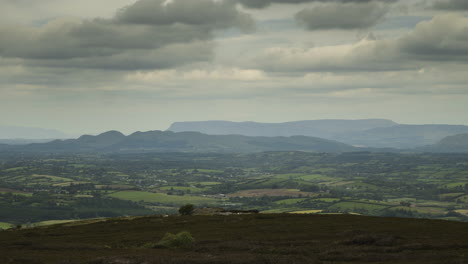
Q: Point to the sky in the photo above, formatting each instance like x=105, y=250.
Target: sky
x=84, y=67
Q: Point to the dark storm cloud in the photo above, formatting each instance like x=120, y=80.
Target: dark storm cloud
x=148, y=34
x=342, y=16
x=451, y=5
x=265, y=3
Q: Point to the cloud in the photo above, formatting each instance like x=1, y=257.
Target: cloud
x=342, y=16
x=442, y=39
x=221, y=74
x=217, y=14
x=265, y=3
x=451, y=5
x=147, y=34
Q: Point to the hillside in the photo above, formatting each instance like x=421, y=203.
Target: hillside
x=457, y=143
x=403, y=136
x=374, y=133
x=241, y=239
x=159, y=141
x=314, y=128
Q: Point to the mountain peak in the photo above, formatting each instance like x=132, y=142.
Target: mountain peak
x=112, y=133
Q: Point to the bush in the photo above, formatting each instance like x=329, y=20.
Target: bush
x=181, y=240
x=186, y=209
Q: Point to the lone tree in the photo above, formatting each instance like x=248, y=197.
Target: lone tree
x=186, y=209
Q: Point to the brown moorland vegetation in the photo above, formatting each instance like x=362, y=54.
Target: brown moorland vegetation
x=241, y=239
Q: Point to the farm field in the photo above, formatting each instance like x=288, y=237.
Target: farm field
x=162, y=198
x=5, y=225
x=271, y=192
x=72, y=187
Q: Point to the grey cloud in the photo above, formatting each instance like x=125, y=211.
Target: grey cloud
x=443, y=39
x=451, y=5
x=221, y=14
x=170, y=56
x=342, y=16
x=265, y=3
x=129, y=40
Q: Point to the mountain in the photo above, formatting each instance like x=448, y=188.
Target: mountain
x=13, y=132
x=402, y=136
x=457, y=143
x=328, y=128
x=375, y=133
x=167, y=141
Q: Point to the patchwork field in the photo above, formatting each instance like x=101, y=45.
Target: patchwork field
x=290, y=201
x=357, y=206
x=46, y=187
x=271, y=192
x=162, y=198
x=16, y=192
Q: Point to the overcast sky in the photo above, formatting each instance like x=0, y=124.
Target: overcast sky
x=90, y=66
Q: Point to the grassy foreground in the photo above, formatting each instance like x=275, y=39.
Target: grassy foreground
x=239, y=239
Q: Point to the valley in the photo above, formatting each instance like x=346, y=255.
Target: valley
x=44, y=187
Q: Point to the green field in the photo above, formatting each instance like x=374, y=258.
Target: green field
x=53, y=222
x=205, y=170
x=5, y=225
x=290, y=201
x=16, y=193
x=51, y=178
x=327, y=200
x=353, y=206
x=422, y=210
x=306, y=212
x=206, y=183
x=182, y=188
x=162, y=198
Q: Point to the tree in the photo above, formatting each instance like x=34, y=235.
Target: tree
x=186, y=209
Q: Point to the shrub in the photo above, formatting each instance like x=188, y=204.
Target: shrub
x=186, y=209
x=181, y=240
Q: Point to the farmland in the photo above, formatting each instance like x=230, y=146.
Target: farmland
x=163, y=198
x=46, y=187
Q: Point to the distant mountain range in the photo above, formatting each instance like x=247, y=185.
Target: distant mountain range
x=314, y=128
x=167, y=141
x=28, y=133
x=315, y=136
x=376, y=133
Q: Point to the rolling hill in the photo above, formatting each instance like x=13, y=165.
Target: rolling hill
x=373, y=133
x=457, y=143
x=402, y=136
x=167, y=141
